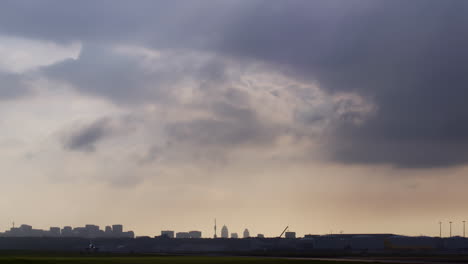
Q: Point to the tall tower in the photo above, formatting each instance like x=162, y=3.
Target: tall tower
x=246, y=233
x=224, y=232
x=215, y=236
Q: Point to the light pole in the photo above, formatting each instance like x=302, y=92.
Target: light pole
x=464, y=228
x=450, y=228
x=440, y=229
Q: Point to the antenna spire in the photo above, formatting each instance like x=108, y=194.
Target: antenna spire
x=215, y=236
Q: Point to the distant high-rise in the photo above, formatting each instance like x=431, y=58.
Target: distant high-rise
x=224, y=232
x=108, y=230
x=260, y=236
x=234, y=235
x=117, y=229
x=246, y=233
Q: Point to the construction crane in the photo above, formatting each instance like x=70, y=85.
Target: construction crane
x=283, y=232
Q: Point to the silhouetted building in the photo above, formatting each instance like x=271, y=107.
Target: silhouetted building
x=234, y=235
x=79, y=232
x=108, y=230
x=54, y=231
x=129, y=234
x=89, y=231
x=26, y=229
x=182, y=235
x=224, y=232
x=260, y=236
x=246, y=233
x=92, y=231
x=167, y=234
x=290, y=235
x=117, y=229
x=195, y=234
x=414, y=243
x=92, y=228
x=67, y=231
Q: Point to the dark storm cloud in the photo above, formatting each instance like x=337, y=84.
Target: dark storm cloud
x=162, y=23
x=84, y=138
x=409, y=58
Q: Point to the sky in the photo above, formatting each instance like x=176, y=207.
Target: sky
x=326, y=116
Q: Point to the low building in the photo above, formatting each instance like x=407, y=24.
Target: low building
x=128, y=234
x=67, y=231
x=414, y=243
x=182, y=235
x=234, y=235
x=331, y=242
x=290, y=235
x=366, y=242
x=195, y=234
x=167, y=234
x=54, y=231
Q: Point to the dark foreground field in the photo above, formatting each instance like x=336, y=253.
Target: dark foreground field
x=50, y=259
x=59, y=258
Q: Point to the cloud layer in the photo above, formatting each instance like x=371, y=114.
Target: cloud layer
x=405, y=62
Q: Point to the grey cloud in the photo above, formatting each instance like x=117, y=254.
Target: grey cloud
x=100, y=71
x=132, y=79
x=231, y=126
x=12, y=86
x=86, y=137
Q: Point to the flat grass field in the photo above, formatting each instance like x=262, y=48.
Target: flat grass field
x=30, y=259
